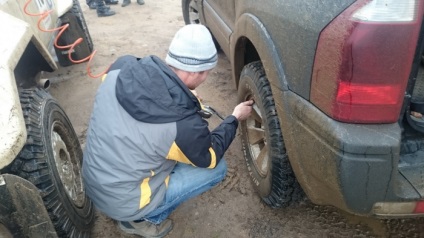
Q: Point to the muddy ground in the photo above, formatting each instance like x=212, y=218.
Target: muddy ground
x=232, y=209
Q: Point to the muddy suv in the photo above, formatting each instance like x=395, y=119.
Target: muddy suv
x=339, y=92
x=41, y=190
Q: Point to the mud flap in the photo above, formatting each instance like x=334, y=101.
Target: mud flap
x=22, y=210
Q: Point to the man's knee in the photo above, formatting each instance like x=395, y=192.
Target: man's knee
x=221, y=168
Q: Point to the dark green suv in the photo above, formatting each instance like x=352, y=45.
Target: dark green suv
x=339, y=92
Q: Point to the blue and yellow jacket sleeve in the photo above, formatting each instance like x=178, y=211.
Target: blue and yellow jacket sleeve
x=196, y=145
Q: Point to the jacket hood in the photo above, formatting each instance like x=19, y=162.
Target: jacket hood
x=151, y=92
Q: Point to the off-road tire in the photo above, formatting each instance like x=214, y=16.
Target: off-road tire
x=77, y=29
x=77, y=11
x=275, y=182
x=52, y=160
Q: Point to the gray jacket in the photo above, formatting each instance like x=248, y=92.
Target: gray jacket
x=143, y=122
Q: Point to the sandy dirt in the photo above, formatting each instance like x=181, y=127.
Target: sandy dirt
x=232, y=209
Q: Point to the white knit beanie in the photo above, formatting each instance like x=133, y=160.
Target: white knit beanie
x=192, y=49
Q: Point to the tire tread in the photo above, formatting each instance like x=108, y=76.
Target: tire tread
x=31, y=164
x=285, y=190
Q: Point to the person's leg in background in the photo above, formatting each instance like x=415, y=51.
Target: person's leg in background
x=111, y=2
x=125, y=3
x=102, y=9
x=128, y=2
x=93, y=5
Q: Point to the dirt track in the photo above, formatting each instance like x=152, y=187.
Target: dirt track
x=232, y=209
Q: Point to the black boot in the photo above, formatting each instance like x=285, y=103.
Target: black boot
x=93, y=5
x=126, y=3
x=104, y=11
x=111, y=2
x=141, y=2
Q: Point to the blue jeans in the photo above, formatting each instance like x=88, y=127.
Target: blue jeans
x=186, y=181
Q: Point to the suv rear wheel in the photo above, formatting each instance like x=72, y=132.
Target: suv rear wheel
x=52, y=160
x=190, y=12
x=263, y=144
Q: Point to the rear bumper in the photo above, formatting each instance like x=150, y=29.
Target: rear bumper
x=350, y=166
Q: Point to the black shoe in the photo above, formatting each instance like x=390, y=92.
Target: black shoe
x=111, y=2
x=93, y=5
x=141, y=2
x=105, y=12
x=125, y=3
x=146, y=229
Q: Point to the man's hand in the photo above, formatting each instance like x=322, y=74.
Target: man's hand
x=243, y=110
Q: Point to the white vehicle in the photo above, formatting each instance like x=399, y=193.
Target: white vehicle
x=41, y=189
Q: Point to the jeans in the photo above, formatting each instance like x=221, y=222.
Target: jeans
x=186, y=181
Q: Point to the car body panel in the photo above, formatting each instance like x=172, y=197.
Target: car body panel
x=13, y=132
x=350, y=166
x=297, y=29
x=18, y=30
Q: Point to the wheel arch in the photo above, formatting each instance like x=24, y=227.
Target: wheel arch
x=19, y=47
x=26, y=71
x=251, y=42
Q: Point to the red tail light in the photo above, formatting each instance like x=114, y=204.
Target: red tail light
x=419, y=208
x=363, y=60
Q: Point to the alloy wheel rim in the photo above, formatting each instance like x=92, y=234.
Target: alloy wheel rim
x=68, y=169
x=193, y=13
x=257, y=142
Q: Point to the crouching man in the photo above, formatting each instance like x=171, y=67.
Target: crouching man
x=148, y=148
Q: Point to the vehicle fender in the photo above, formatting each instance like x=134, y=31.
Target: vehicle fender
x=250, y=27
x=17, y=33
x=12, y=45
x=13, y=12
x=22, y=210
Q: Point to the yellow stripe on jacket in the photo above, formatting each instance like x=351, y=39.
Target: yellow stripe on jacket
x=176, y=154
x=213, y=158
x=146, y=191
